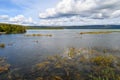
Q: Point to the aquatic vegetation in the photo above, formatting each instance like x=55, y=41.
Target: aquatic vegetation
x=104, y=68
x=10, y=44
x=71, y=52
x=82, y=65
x=103, y=60
x=99, y=32
x=4, y=69
x=57, y=68
x=2, y=45
x=28, y=35
x=74, y=64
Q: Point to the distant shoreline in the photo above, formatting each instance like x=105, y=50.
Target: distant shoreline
x=77, y=27
x=43, y=29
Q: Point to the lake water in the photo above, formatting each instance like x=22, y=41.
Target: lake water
x=21, y=50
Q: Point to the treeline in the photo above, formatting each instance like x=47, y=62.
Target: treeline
x=44, y=27
x=11, y=28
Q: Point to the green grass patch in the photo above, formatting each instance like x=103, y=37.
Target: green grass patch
x=2, y=45
x=98, y=32
x=28, y=35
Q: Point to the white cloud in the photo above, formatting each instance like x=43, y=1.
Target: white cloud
x=66, y=12
x=49, y=13
x=20, y=19
x=74, y=20
x=84, y=8
x=78, y=12
x=4, y=17
x=116, y=14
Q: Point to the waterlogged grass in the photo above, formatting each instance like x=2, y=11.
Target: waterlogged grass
x=99, y=32
x=2, y=45
x=28, y=35
x=78, y=64
x=104, y=68
x=4, y=67
x=74, y=64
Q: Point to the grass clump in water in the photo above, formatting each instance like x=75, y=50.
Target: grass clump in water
x=75, y=64
x=104, y=68
x=99, y=32
x=83, y=64
x=38, y=35
x=4, y=69
x=2, y=45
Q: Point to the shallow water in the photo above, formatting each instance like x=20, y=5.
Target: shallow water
x=22, y=51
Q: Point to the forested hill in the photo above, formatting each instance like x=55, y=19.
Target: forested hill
x=77, y=27
x=45, y=27
x=94, y=27
x=11, y=28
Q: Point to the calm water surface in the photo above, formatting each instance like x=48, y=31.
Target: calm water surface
x=21, y=50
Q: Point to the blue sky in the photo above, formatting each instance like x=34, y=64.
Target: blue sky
x=60, y=12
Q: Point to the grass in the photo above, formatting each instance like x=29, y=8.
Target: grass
x=75, y=64
x=78, y=64
x=50, y=35
x=99, y=32
x=3, y=65
x=2, y=45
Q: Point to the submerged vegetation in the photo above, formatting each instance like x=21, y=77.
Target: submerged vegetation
x=4, y=69
x=80, y=64
x=38, y=35
x=11, y=29
x=3, y=66
x=2, y=45
x=74, y=64
x=99, y=32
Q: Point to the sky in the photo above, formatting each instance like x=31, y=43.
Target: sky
x=60, y=12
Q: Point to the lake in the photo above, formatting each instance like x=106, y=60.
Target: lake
x=22, y=51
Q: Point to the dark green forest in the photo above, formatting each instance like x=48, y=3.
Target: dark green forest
x=44, y=27
x=11, y=28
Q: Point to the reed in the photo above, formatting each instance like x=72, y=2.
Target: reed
x=2, y=45
x=50, y=35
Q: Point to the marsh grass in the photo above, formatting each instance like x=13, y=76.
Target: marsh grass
x=74, y=64
x=80, y=64
x=3, y=65
x=28, y=35
x=99, y=32
x=4, y=69
x=2, y=45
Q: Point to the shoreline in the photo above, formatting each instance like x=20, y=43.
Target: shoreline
x=2, y=33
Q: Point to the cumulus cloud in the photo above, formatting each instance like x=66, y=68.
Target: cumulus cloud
x=21, y=19
x=74, y=20
x=94, y=9
x=18, y=19
x=116, y=13
x=4, y=17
